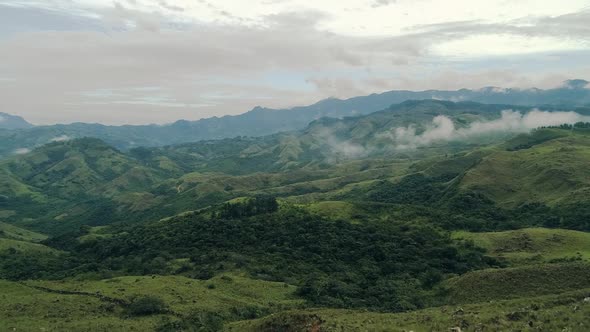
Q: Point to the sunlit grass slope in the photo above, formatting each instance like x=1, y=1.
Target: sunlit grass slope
x=565, y=312
x=100, y=305
x=532, y=245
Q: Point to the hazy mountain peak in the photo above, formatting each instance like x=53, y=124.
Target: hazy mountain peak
x=8, y=121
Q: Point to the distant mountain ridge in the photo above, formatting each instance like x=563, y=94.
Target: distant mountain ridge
x=85, y=181
x=264, y=121
x=8, y=121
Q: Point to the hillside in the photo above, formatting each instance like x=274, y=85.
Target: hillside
x=67, y=182
x=343, y=224
x=550, y=172
x=568, y=311
x=532, y=245
x=88, y=182
x=330, y=141
x=109, y=304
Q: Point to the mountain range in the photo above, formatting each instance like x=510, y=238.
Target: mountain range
x=86, y=179
x=264, y=121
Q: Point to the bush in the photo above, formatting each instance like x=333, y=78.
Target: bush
x=198, y=322
x=146, y=305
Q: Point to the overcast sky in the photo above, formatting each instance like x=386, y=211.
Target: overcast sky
x=156, y=61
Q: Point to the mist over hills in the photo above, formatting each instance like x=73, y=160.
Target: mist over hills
x=264, y=121
x=86, y=179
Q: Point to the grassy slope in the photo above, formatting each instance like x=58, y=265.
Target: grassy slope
x=532, y=245
x=22, y=240
x=26, y=309
x=24, y=246
x=564, y=312
x=524, y=281
x=184, y=295
x=30, y=309
x=553, y=172
x=17, y=233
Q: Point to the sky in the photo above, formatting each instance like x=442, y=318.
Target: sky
x=157, y=61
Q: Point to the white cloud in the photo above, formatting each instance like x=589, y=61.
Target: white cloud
x=61, y=138
x=442, y=128
x=211, y=58
x=22, y=151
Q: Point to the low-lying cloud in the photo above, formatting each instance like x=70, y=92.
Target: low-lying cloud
x=343, y=148
x=22, y=151
x=443, y=129
x=61, y=138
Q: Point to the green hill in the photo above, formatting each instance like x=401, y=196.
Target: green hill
x=106, y=304
x=564, y=312
x=292, y=231
x=16, y=233
x=518, y=282
x=532, y=245
x=549, y=170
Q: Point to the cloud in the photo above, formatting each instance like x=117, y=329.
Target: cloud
x=19, y=19
x=340, y=147
x=168, y=6
x=22, y=151
x=216, y=67
x=380, y=3
x=442, y=128
x=61, y=138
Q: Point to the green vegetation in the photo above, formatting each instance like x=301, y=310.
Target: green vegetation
x=8, y=231
x=532, y=245
x=108, y=304
x=285, y=232
x=564, y=312
x=525, y=281
x=386, y=266
x=146, y=305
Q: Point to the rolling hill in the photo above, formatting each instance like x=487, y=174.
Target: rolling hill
x=86, y=181
x=340, y=225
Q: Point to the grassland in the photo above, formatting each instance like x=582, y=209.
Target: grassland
x=16, y=233
x=564, y=312
x=25, y=247
x=518, y=282
x=532, y=245
x=23, y=308
x=553, y=172
x=22, y=240
x=101, y=305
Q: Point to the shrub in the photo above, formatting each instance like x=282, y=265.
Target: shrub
x=198, y=322
x=146, y=305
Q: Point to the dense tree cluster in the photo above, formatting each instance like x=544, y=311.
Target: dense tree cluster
x=419, y=196
x=249, y=207
x=387, y=266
